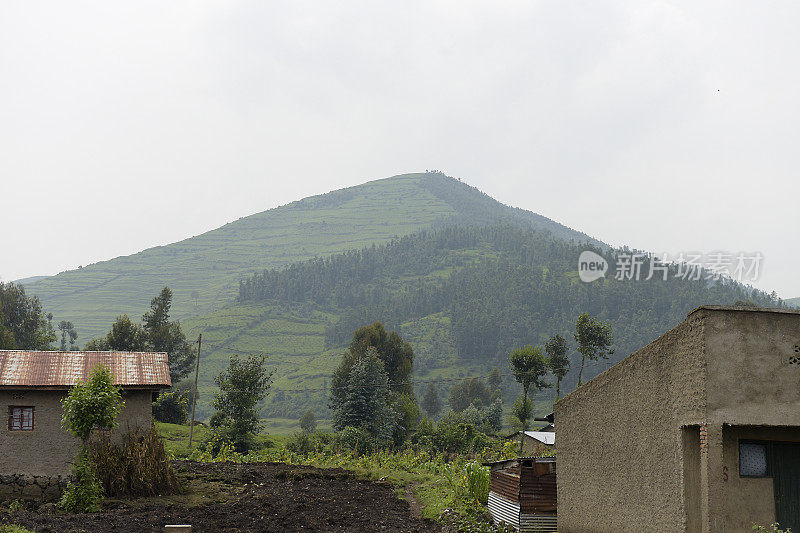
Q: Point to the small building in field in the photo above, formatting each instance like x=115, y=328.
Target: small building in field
x=36, y=453
x=535, y=443
x=706, y=432
x=522, y=493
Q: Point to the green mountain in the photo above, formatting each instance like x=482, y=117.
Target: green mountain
x=462, y=296
x=204, y=271
x=793, y=302
x=461, y=276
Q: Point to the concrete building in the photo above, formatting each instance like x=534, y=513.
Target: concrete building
x=706, y=430
x=35, y=451
x=536, y=443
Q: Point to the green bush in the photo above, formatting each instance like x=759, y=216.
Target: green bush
x=772, y=528
x=357, y=440
x=14, y=529
x=84, y=492
x=172, y=407
x=476, y=481
x=305, y=443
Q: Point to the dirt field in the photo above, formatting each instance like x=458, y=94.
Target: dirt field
x=252, y=497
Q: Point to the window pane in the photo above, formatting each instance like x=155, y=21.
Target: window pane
x=16, y=420
x=20, y=419
x=752, y=460
x=27, y=418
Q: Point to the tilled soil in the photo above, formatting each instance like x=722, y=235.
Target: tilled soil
x=247, y=497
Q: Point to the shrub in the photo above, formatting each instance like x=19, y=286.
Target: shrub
x=83, y=493
x=357, y=440
x=93, y=403
x=217, y=448
x=172, y=407
x=305, y=443
x=408, y=415
x=476, y=481
x=308, y=422
x=14, y=529
x=139, y=466
x=772, y=528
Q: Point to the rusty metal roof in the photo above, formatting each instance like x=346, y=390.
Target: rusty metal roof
x=63, y=369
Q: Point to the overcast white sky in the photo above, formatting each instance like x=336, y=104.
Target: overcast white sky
x=666, y=126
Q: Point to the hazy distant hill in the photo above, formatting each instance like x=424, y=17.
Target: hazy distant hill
x=794, y=301
x=213, y=263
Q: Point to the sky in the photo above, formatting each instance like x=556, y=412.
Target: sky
x=664, y=126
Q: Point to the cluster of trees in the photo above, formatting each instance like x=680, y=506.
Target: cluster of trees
x=157, y=333
x=371, y=388
x=531, y=367
x=501, y=286
x=372, y=395
x=23, y=323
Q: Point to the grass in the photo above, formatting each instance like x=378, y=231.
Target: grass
x=176, y=438
x=14, y=529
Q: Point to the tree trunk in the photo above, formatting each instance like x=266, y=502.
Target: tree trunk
x=580, y=374
x=524, y=421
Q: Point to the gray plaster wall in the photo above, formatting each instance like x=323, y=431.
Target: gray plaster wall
x=620, y=441
x=49, y=450
x=753, y=393
x=627, y=439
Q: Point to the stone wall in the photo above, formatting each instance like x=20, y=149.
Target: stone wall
x=22, y=486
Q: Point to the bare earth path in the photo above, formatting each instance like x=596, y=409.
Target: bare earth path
x=261, y=497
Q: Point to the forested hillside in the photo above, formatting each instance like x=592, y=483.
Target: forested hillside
x=793, y=301
x=204, y=271
x=463, y=297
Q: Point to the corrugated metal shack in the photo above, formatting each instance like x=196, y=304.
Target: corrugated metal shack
x=522, y=493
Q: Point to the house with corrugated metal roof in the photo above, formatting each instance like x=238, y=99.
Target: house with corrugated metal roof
x=537, y=442
x=35, y=451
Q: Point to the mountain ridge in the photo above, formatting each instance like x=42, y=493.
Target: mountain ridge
x=204, y=270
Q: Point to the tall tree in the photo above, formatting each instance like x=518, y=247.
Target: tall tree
x=396, y=354
x=166, y=336
x=471, y=391
x=529, y=367
x=67, y=332
x=308, y=422
x=594, y=339
x=6, y=337
x=362, y=401
x=125, y=336
x=23, y=324
x=431, y=402
x=243, y=385
x=556, y=348
x=494, y=380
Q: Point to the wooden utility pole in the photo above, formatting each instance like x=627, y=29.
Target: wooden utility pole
x=194, y=396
